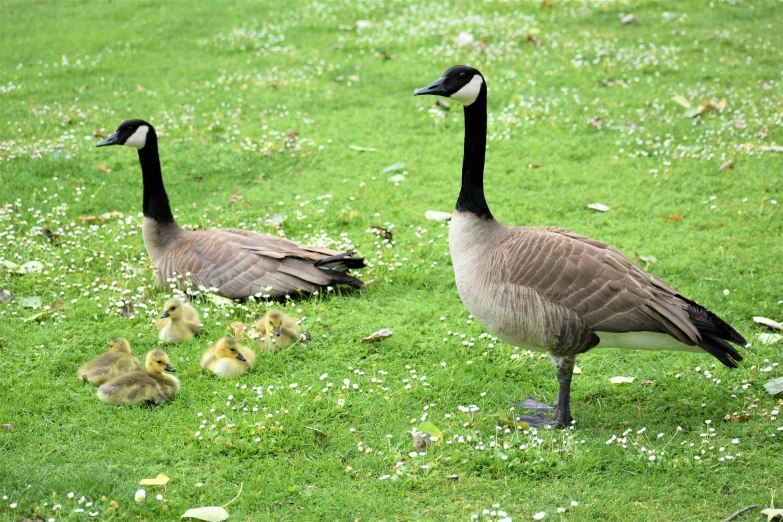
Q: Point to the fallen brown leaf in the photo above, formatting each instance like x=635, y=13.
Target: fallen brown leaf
x=378, y=336
x=103, y=167
x=673, y=217
x=383, y=232
x=727, y=165
x=9, y=426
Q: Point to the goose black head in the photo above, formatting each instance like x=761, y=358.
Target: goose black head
x=460, y=82
x=132, y=133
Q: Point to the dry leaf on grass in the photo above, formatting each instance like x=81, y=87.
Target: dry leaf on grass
x=362, y=149
x=9, y=426
x=102, y=217
x=647, y=259
x=437, y=215
x=727, y=165
x=209, y=513
x=768, y=322
x=621, y=380
x=378, y=336
x=673, y=217
x=385, y=233
x=628, y=19
x=772, y=513
x=421, y=440
x=103, y=167
x=238, y=329
x=5, y=295
x=392, y=168
x=770, y=338
x=739, y=417
x=600, y=207
x=160, y=480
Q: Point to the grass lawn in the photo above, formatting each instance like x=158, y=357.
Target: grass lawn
x=261, y=109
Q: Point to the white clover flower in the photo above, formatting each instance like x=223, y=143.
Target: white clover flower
x=539, y=515
x=140, y=495
x=159, y=496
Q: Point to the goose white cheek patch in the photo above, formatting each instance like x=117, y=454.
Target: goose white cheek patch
x=468, y=94
x=139, y=138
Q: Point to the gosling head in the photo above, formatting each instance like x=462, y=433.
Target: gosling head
x=157, y=362
x=133, y=133
x=228, y=348
x=119, y=345
x=172, y=308
x=274, y=321
x=460, y=82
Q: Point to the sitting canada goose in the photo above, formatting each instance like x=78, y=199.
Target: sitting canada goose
x=276, y=329
x=108, y=365
x=178, y=323
x=228, y=358
x=239, y=263
x=152, y=386
x=548, y=289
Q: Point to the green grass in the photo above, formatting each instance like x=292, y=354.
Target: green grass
x=317, y=452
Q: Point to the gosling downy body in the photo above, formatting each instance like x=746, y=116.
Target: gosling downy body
x=152, y=386
x=549, y=289
x=228, y=358
x=239, y=263
x=178, y=323
x=108, y=365
x=276, y=329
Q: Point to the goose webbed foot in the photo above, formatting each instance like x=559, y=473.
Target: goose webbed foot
x=562, y=408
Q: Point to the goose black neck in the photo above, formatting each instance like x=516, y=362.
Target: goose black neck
x=471, y=196
x=156, y=202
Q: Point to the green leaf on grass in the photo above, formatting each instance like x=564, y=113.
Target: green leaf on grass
x=9, y=264
x=31, y=302
x=431, y=430
x=209, y=513
x=361, y=149
x=30, y=267
x=774, y=386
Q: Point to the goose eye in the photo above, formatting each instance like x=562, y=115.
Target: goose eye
x=462, y=75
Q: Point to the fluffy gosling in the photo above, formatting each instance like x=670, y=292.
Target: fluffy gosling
x=108, y=365
x=152, y=386
x=276, y=329
x=178, y=323
x=228, y=358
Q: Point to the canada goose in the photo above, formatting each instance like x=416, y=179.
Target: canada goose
x=108, y=365
x=178, y=323
x=239, y=263
x=228, y=358
x=549, y=289
x=152, y=386
x=276, y=329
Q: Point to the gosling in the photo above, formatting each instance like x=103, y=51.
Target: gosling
x=228, y=358
x=178, y=323
x=276, y=329
x=108, y=365
x=151, y=387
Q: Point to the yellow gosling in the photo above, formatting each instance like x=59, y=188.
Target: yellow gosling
x=108, y=365
x=228, y=358
x=152, y=386
x=178, y=323
x=276, y=329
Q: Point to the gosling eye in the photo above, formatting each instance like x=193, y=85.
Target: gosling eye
x=160, y=362
x=173, y=308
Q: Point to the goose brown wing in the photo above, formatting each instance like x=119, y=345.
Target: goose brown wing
x=240, y=263
x=597, y=282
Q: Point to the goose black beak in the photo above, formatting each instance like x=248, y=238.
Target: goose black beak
x=241, y=357
x=435, y=87
x=170, y=368
x=114, y=139
x=276, y=331
x=164, y=314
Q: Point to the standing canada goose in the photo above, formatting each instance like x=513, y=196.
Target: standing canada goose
x=108, y=365
x=152, y=386
x=239, y=263
x=549, y=289
x=228, y=358
x=276, y=329
x=178, y=323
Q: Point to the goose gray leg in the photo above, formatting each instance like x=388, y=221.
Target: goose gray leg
x=562, y=407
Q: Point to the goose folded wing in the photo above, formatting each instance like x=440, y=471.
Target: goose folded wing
x=597, y=282
x=240, y=265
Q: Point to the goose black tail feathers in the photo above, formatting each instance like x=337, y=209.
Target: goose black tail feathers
x=336, y=266
x=715, y=334
x=340, y=262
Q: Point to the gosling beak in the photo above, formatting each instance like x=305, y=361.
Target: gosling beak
x=435, y=87
x=164, y=314
x=276, y=330
x=170, y=368
x=241, y=357
x=114, y=139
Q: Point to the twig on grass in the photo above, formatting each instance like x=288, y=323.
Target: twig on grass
x=739, y=512
x=240, y=492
